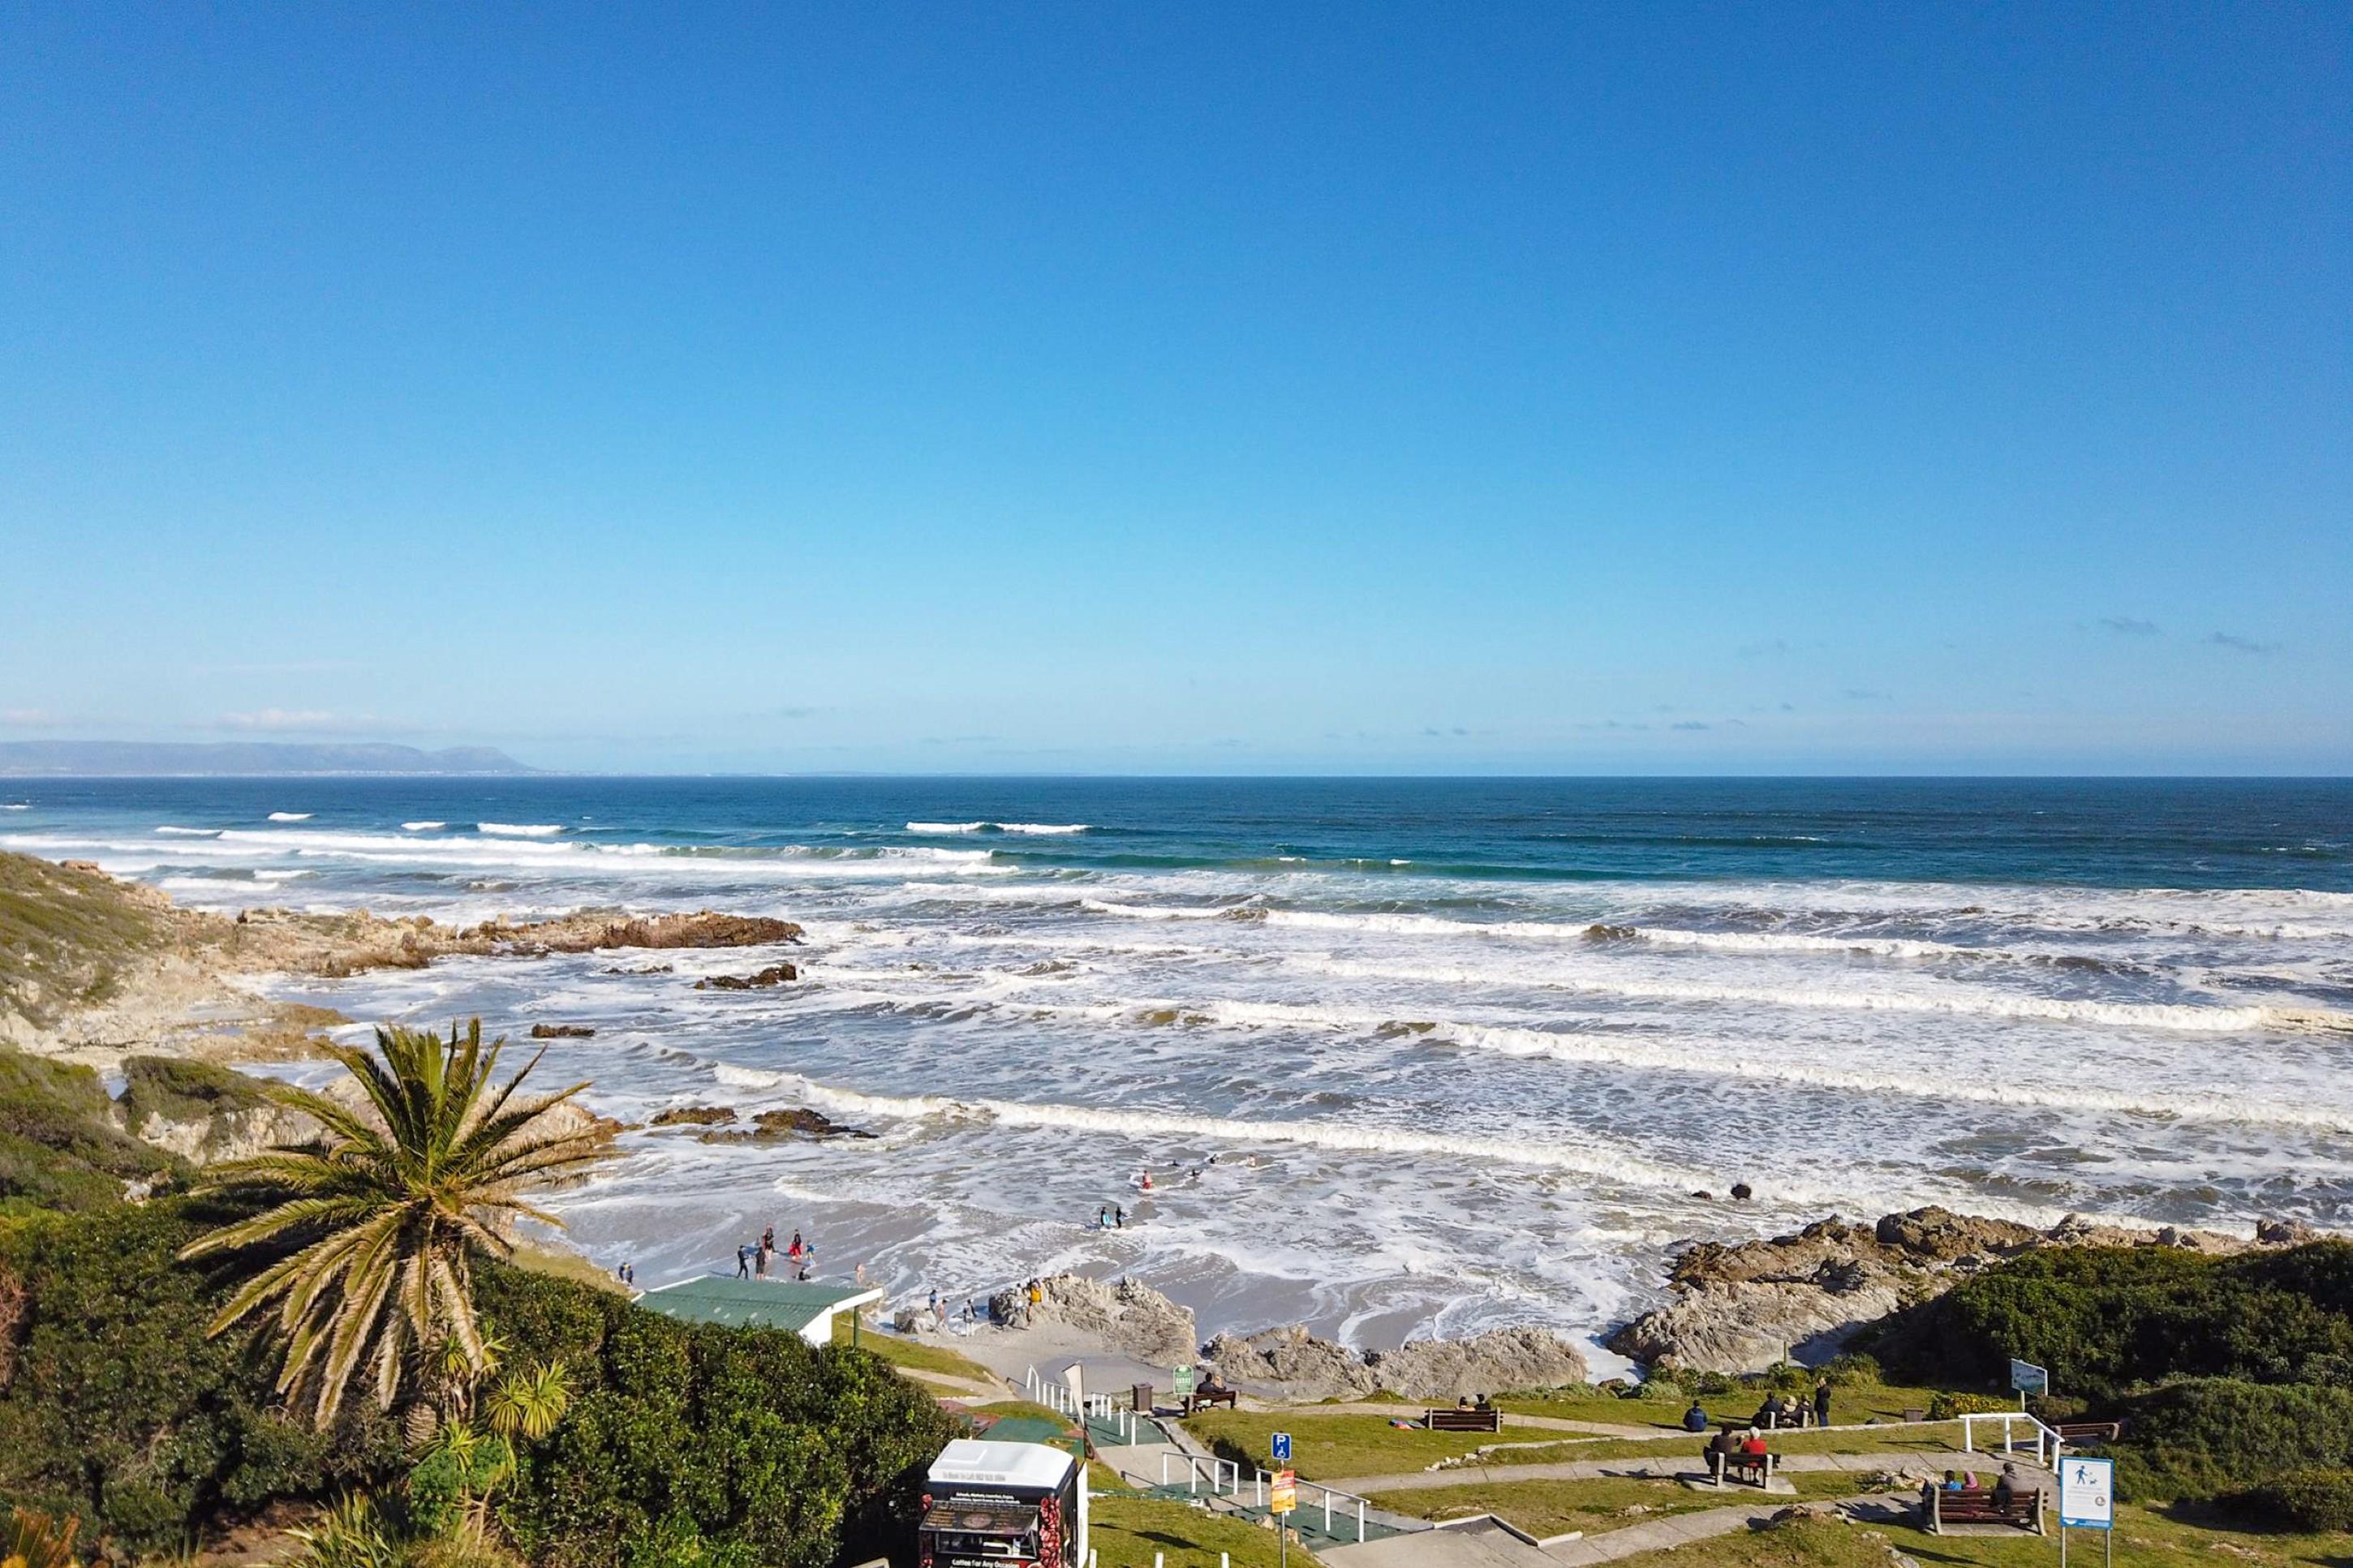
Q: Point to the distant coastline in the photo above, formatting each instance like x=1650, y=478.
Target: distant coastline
x=246, y=759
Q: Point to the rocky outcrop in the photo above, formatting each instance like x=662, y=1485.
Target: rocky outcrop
x=1295, y=1364
x=1290, y=1362
x=562, y=1032
x=693, y=1116
x=774, y=974
x=1742, y=1308
x=781, y=1126
x=1493, y=1363
x=1130, y=1318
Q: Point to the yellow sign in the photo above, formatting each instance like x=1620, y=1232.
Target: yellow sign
x=1284, y=1496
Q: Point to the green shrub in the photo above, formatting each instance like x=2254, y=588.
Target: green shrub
x=2208, y=1437
x=2316, y=1502
x=114, y=1404
x=2105, y=1319
x=1945, y=1407
x=60, y=1147
x=179, y=1089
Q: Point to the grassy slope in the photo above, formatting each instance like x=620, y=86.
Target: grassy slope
x=65, y=936
x=1331, y=1445
x=913, y=1354
x=2144, y=1539
x=1125, y=1532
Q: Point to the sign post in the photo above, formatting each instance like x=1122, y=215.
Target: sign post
x=2028, y=1378
x=1281, y=1499
x=1183, y=1378
x=2087, y=1500
x=1282, y=1446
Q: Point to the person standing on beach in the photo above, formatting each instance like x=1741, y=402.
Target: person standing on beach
x=768, y=1239
x=744, y=1262
x=760, y=1266
x=795, y=1251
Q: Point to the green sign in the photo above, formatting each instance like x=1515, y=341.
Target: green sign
x=1184, y=1380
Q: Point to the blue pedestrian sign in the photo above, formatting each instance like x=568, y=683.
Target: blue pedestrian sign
x=1283, y=1447
x=2087, y=1493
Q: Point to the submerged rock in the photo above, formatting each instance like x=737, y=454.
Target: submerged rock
x=780, y=1126
x=561, y=1032
x=693, y=1116
x=774, y=974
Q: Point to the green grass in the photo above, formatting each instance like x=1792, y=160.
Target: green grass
x=2142, y=1540
x=1552, y=1508
x=1023, y=1410
x=1943, y=1437
x=58, y=1143
x=180, y=1090
x=914, y=1354
x=1125, y=1532
x=1329, y=1446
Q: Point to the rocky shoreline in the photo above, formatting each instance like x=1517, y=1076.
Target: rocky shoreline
x=151, y=984
x=1745, y=1307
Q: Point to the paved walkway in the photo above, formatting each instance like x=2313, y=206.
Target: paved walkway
x=1659, y=1468
x=1676, y=1530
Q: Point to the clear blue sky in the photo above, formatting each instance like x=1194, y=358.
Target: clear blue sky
x=1087, y=387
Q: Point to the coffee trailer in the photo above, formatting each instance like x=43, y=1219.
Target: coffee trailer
x=998, y=1505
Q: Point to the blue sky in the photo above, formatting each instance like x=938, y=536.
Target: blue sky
x=1076, y=387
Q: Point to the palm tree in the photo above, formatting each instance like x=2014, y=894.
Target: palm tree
x=384, y=1213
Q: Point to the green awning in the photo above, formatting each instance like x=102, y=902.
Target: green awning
x=788, y=1304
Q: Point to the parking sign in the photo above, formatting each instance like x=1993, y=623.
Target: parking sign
x=2087, y=1493
x=1283, y=1447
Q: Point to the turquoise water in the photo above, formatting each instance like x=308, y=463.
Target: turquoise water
x=1463, y=1049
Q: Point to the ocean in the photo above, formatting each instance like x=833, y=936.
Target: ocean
x=1403, y=1056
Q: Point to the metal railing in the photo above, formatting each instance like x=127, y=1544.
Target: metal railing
x=1055, y=1395
x=1264, y=1480
x=1225, y=1476
x=2046, y=1443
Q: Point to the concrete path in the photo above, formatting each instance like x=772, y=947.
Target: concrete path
x=1676, y=1530
x=1655, y=1469
x=1481, y=1545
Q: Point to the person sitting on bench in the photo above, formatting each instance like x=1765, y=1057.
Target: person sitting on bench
x=1720, y=1451
x=2005, y=1486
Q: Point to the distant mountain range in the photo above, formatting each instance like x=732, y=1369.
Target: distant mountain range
x=117, y=759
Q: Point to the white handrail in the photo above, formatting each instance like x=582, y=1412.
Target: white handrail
x=1329, y=1493
x=2047, y=1445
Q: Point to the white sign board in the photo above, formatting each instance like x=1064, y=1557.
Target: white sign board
x=2025, y=1377
x=2087, y=1493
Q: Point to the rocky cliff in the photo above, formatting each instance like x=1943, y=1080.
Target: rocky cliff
x=1295, y=1364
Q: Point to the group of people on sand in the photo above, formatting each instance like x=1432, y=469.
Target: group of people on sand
x=752, y=1258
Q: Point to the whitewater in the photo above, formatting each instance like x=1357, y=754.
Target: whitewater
x=1401, y=1057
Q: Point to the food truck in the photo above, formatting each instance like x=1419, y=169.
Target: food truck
x=996, y=1505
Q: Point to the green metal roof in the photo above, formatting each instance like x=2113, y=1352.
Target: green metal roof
x=742, y=1303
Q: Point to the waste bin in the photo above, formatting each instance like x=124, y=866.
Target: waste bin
x=1141, y=1393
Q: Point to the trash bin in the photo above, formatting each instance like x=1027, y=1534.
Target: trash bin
x=1141, y=1393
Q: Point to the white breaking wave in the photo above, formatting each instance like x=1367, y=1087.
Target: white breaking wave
x=290, y=816
x=945, y=827
x=172, y=832
x=520, y=829
x=1792, y=942
x=1968, y=1003
x=1157, y=1127
x=1026, y=827
x=16, y=805
x=422, y=827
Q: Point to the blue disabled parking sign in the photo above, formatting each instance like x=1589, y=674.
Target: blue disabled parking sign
x=1283, y=1447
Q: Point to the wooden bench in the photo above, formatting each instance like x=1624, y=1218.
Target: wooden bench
x=2089, y=1431
x=1201, y=1397
x=1485, y=1418
x=1978, y=1505
x=1746, y=1468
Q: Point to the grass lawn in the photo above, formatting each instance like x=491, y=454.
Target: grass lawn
x=1551, y=1508
x=1329, y=1446
x=916, y=1355
x=1125, y=1532
x=1849, y=1404
x=2144, y=1539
